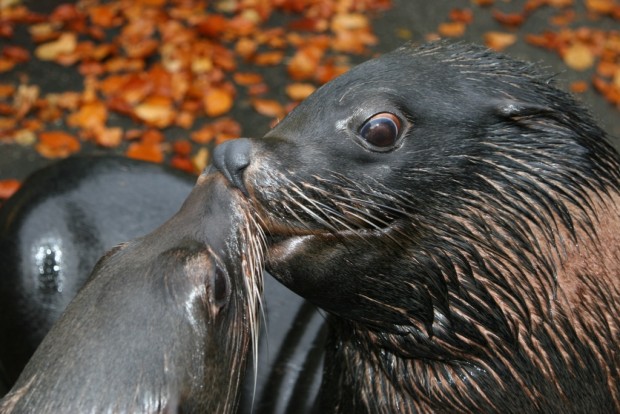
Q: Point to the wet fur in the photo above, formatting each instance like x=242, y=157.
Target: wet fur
x=475, y=268
x=147, y=333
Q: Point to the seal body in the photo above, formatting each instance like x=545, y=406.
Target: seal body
x=164, y=323
x=458, y=216
x=56, y=227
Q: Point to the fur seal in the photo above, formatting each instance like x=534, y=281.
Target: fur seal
x=87, y=205
x=186, y=295
x=54, y=229
x=458, y=216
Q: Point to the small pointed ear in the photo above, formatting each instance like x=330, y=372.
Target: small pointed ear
x=510, y=108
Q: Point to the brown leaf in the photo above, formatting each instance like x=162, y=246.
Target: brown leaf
x=201, y=159
x=268, y=107
x=268, y=58
x=91, y=115
x=247, y=78
x=349, y=21
x=509, y=19
x=6, y=90
x=66, y=43
x=600, y=6
x=8, y=187
x=109, y=137
x=498, y=40
x=183, y=164
x=6, y=64
x=579, y=86
x=146, y=151
x=299, y=91
x=182, y=147
x=156, y=111
x=462, y=15
x=452, y=29
x=218, y=101
x=578, y=56
x=204, y=135
x=57, y=144
x=105, y=15
x=17, y=54
x=305, y=61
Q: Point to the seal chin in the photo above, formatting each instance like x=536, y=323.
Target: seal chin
x=285, y=245
x=281, y=248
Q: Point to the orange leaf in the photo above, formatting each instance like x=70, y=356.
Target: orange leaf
x=184, y=119
x=462, y=15
x=509, y=19
x=349, y=21
x=304, y=63
x=579, y=86
x=600, y=6
x=6, y=125
x=268, y=58
x=155, y=111
x=90, y=115
x=578, y=56
x=268, y=107
x=146, y=151
x=452, y=29
x=105, y=15
x=217, y=101
x=17, y=54
x=182, y=147
x=212, y=25
x=6, y=65
x=8, y=187
x=299, y=91
x=247, y=78
x=246, y=48
x=183, y=164
x=66, y=43
x=498, y=40
x=6, y=90
x=57, y=144
x=204, y=135
x=109, y=137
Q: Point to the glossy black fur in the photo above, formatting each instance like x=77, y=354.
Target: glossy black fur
x=439, y=260
x=56, y=227
x=163, y=324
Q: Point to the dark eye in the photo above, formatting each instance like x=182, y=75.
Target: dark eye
x=381, y=130
x=220, y=286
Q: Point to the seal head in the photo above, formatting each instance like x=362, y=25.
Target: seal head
x=458, y=216
x=165, y=323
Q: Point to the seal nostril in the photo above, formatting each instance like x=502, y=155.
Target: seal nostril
x=231, y=158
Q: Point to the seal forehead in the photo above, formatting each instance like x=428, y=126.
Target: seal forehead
x=434, y=83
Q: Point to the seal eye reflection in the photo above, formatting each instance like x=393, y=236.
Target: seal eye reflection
x=381, y=130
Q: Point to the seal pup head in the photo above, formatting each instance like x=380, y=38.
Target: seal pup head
x=165, y=323
x=459, y=216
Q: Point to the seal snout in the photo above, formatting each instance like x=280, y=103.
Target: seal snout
x=231, y=158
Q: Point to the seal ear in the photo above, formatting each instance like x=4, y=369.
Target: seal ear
x=514, y=109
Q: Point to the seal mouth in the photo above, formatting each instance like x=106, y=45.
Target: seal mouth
x=281, y=238
x=292, y=208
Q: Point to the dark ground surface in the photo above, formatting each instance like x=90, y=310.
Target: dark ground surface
x=415, y=17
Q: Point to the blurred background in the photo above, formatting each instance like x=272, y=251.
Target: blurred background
x=166, y=80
